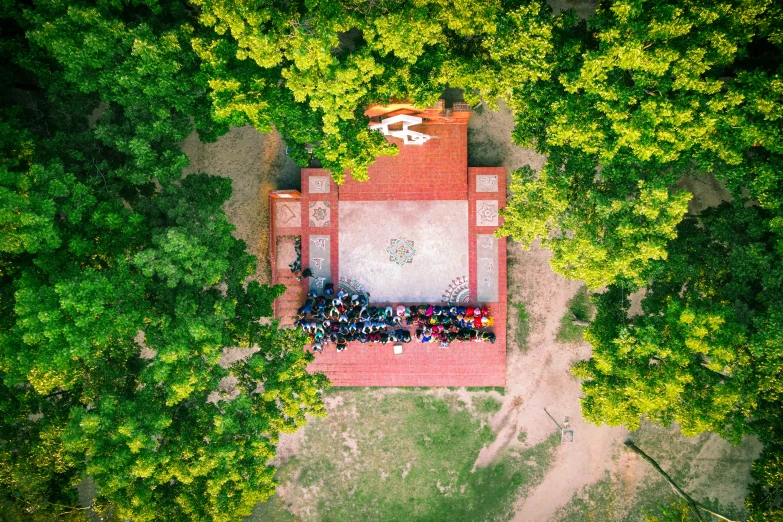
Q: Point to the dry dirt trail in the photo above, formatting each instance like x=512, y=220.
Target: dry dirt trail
x=540, y=377
x=256, y=164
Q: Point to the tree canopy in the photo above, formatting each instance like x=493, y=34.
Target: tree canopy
x=108, y=253
x=639, y=96
x=309, y=69
x=122, y=283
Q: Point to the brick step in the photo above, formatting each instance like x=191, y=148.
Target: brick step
x=289, y=283
x=292, y=298
x=294, y=290
x=435, y=196
x=287, y=309
x=289, y=300
x=298, y=297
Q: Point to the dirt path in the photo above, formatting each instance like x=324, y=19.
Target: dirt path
x=540, y=378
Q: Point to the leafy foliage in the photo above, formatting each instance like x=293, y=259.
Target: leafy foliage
x=640, y=95
x=765, y=502
x=700, y=354
x=105, y=250
x=309, y=69
x=706, y=351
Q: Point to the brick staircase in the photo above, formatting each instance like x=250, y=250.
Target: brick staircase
x=287, y=304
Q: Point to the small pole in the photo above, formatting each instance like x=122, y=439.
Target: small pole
x=553, y=420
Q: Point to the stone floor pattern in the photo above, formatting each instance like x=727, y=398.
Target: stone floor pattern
x=419, y=231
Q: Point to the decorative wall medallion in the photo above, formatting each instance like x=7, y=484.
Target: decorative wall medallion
x=350, y=286
x=289, y=214
x=320, y=213
x=457, y=292
x=486, y=183
x=319, y=185
x=401, y=251
x=486, y=213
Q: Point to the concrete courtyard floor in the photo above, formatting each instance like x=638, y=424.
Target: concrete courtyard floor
x=437, y=231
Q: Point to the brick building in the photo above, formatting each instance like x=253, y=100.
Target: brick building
x=420, y=231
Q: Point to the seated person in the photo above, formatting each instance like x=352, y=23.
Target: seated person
x=307, y=307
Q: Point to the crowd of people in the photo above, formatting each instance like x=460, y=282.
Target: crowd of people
x=340, y=318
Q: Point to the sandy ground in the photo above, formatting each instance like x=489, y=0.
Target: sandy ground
x=540, y=377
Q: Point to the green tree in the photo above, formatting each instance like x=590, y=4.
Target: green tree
x=310, y=69
x=639, y=96
x=765, y=500
x=601, y=224
x=664, y=81
x=104, y=244
x=705, y=351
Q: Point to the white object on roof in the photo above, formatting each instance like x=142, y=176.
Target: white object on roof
x=408, y=137
x=397, y=349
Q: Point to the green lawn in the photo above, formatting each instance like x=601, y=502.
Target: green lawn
x=403, y=455
x=579, y=308
x=521, y=324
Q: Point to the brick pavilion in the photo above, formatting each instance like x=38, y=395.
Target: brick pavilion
x=420, y=231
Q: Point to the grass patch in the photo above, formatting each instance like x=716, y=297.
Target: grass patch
x=487, y=404
x=501, y=390
x=522, y=324
x=407, y=456
x=579, y=308
x=595, y=503
x=272, y=510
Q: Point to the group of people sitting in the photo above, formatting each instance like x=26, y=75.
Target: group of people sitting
x=340, y=318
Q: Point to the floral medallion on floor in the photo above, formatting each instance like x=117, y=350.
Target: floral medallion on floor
x=458, y=291
x=401, y=251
